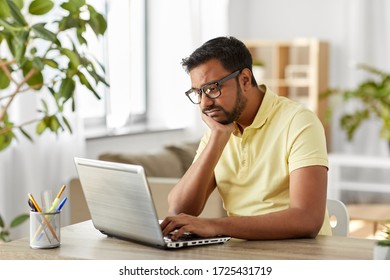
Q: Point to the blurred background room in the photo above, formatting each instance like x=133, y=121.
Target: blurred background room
x=144, y=109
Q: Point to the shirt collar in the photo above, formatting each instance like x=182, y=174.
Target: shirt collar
x=263, y=112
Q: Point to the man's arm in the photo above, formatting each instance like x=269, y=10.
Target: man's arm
x=303, y=218
x=192, y=191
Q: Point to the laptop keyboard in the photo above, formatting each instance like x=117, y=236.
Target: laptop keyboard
x=185, y=237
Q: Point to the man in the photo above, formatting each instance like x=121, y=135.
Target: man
x=265, y=154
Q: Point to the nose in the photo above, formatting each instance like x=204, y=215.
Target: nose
x=206, y=101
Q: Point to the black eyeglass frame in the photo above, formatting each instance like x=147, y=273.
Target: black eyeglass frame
x=216, y=83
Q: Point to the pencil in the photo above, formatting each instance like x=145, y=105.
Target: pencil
x=30, y=196
x=61, y=191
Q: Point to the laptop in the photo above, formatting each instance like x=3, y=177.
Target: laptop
x=121, y=205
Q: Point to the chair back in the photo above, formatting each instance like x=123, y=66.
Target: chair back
x=339, y=217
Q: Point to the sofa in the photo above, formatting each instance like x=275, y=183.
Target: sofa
x=163, y=170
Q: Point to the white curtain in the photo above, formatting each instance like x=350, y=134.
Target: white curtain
x=208, y=19
x=175, y=29
x=45, y=164
x=367, y=40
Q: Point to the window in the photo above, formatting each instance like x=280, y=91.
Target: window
x=122, y=51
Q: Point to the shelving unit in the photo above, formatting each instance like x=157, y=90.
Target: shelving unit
x=337, y=164
x=297, y=69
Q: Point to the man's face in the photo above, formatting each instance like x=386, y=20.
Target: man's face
x=226, y=108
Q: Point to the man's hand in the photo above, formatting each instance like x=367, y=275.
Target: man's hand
x=216, y=126
x=182, y=223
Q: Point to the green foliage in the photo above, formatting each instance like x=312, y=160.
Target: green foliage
x=4, y=230
x=374, y=96
x=258, y=62
x=386, y=231
x=43, y=46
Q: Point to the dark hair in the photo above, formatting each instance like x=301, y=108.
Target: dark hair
x=231, y=52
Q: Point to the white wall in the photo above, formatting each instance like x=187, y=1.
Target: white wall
x=288, y=19
x=279, y=19
x=355, y=32
x=345, y=24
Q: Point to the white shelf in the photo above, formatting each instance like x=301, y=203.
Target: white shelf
x=364, y=186
x=297, y=65
x=339, y=161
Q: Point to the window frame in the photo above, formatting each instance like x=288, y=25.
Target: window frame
x=99, y=126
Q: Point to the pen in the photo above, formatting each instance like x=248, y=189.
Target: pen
x=61, y=204
x=43, y=217
x=32, y=206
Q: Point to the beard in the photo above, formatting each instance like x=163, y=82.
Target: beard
x=230, y=117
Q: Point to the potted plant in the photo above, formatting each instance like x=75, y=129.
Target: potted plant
x=258, y=71
x=373, y=95
x=382, y=247
x=5, y=230
x=43, y=52
x=46, y=54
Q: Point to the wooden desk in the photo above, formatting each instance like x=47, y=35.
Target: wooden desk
x=83, y=241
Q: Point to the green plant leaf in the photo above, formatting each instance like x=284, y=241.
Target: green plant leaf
x=86, y=83
x=36, y=80
x=5, y=139
x=16, y=13
x=67, y=88
x=42, y=125
x=73, y=6
x=45, y=107
x=90, y=67
x=19, y=3
x=26, y=134
x=4, y=235
x=19, y=220
x=18, y=44
x=40, y=7
x=80, y=37
x=74, y=57
x=45, y=34
x=38, y=63
x=51, y=62
x=67, y=124
x=97, y=21
x=350, y=122
x=384, y=242
x=8, y=26
x=54, y=124
x=4, y=10
x=98, y=78
x=4, y=79
x=68, y=23
x=1, y=222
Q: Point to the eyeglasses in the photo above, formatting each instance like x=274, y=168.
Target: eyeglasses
x=211, y=90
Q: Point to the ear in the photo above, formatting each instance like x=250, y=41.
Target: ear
x=246, y=78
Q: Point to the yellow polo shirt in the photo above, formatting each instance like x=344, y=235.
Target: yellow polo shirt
x=253, y=172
